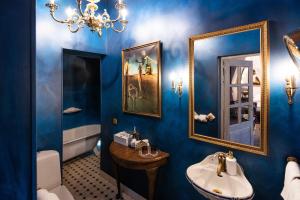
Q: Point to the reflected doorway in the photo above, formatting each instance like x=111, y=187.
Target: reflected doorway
x=240, y=99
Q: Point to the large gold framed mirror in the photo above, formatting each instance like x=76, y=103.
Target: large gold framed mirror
x=229, y=87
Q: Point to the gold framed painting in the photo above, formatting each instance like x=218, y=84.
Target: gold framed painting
x=141, y=80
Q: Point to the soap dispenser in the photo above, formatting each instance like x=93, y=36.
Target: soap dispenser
x=231, y=164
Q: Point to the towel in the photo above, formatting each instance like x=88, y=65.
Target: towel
x=201, y=118
x=72, y=110
x=292, y=172
x=293, y=192
x=204, y=118
x=43, y=194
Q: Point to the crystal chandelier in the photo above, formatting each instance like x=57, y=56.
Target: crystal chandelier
x=76, y=18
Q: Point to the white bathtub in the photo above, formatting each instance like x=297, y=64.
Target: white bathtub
x=79, y=140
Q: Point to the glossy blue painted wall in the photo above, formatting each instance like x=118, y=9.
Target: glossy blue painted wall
x=172, y=22
x=16, y=134
x=51, y=39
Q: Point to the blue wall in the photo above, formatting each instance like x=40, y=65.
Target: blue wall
x=51, y=38
x=17, y=148
x=172, y=22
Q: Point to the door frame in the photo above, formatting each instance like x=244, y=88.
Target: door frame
x=85, y=54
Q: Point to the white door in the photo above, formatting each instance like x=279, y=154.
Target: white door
x=237, y=101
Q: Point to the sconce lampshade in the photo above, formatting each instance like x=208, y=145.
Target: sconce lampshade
x=292, y=43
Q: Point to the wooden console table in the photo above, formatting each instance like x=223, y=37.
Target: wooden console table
x=128, y=158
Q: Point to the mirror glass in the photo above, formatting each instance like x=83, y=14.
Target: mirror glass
x=292, y=42
x=229, y=90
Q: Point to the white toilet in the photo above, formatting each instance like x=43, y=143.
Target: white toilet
x=49, y=174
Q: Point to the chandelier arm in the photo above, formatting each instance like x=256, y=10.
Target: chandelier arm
x=73, y=31
x=57, y=20
x=115, y=20
x=79, y=3
x=118, y=30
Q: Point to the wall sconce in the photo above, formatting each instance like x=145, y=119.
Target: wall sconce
x=177, y=84
x=292, y=43
x=290, y=88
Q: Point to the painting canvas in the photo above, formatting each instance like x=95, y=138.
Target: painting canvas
x=141, y=69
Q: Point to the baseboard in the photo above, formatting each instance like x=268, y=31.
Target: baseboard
x=124, y=188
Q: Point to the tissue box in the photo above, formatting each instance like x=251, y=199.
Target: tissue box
x=122, y=138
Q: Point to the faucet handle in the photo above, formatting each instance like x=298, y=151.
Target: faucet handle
x=229, y=154
x=221, y=156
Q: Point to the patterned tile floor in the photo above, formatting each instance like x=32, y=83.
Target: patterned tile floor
x=82, y=176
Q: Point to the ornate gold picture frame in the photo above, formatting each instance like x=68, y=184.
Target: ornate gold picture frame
x=141, y=80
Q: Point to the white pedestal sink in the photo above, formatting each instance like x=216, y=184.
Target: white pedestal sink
x=203, y=176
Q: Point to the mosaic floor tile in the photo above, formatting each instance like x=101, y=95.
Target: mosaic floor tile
x=82, y=176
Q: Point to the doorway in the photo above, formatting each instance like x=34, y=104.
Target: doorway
x=81, y=121
x=240, y=99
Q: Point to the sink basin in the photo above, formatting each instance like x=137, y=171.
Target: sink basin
x=203, y=176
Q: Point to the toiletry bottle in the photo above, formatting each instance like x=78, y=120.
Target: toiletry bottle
x=231, y=164
x=136, y=135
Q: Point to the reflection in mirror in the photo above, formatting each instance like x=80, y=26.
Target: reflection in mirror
x=233, y=75
x=229, y=79
x=292, y=42
x=246, y=122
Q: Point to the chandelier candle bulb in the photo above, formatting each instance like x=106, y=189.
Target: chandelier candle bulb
x=70, y=12
x=123, y=13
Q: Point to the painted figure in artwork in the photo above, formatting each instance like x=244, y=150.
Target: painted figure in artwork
x=140, y=79
x=147, y=62
x=133, y=95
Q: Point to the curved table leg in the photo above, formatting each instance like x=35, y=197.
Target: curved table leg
x=151, y=174
x=117, y=174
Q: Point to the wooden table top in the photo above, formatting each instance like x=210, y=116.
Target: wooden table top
x=129, y=157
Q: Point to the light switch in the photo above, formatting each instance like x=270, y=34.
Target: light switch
x=115, y=121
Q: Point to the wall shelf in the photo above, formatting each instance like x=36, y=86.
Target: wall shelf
x=72, y=110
